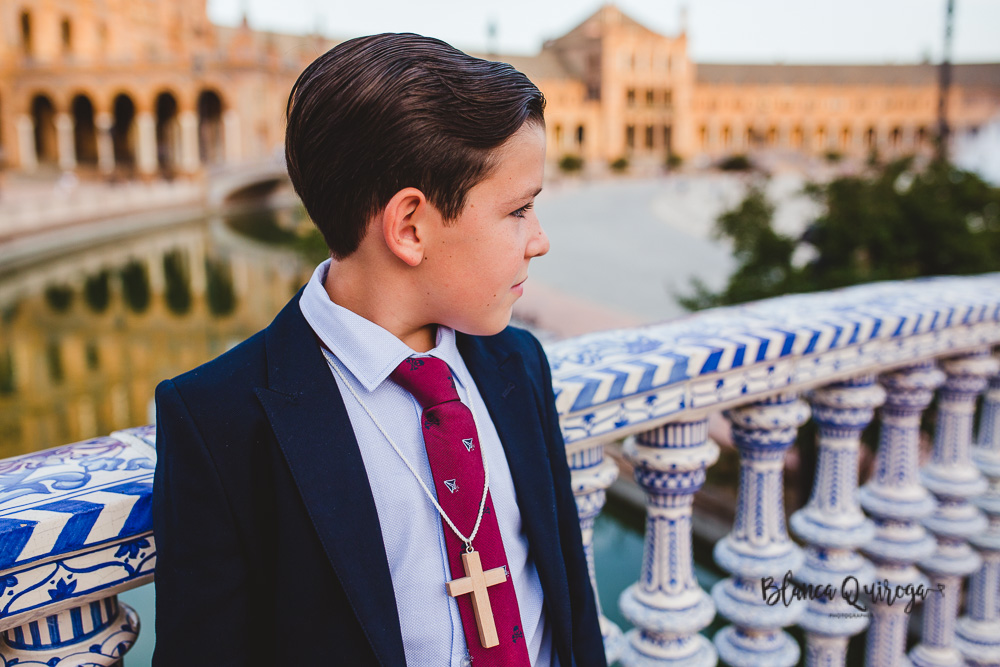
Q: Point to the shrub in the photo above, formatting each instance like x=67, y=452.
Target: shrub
x=570, y=163
x=620, y=165
x=736, y=163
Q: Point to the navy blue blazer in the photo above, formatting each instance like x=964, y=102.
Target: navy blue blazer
x=269, y=550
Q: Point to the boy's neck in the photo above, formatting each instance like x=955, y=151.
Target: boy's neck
x=378, y=305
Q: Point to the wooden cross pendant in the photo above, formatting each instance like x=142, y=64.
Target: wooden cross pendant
x=476, y=582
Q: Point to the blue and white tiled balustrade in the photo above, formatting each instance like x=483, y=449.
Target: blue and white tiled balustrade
x=75, y=526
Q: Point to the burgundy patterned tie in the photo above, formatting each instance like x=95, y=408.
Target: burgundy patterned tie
x=457, y=467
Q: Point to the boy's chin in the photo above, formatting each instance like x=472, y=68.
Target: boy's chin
x=489, y=327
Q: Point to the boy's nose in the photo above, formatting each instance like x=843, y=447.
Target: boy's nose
x=538, y=245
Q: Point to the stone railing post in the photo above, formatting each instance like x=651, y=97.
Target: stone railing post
x=977, y=635
x=953, y=479
x=832, y=523
x=896, y=501
x=667, y=605
x=592, y=474
x=759, y=546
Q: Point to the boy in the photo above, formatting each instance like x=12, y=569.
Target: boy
x=378, y=477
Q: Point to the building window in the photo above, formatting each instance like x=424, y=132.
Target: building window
x=649, y=136
x=727, y=136
x=66, y=30
x=558, y=136
x=26, y=33
x=630, y=97
x=579, y=135
x=667, y=140
x=630, y=136
x=703, y=136
x=649, y=97
x=667, y=98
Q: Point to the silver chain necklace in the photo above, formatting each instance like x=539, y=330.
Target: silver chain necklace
x=430, y=496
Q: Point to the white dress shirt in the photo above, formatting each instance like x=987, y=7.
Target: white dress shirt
x=412, y=531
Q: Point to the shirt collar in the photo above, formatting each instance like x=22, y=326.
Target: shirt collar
x=369, y=352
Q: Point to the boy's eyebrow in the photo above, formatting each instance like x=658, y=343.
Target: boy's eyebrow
x=527, y=195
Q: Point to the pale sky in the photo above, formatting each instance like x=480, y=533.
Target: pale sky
x=872, y=31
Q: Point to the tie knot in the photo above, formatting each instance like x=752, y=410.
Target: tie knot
x=428, y=379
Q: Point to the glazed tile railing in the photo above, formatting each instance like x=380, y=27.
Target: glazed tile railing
x=75, y=522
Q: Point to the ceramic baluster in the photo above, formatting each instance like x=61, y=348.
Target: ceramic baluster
x=96, y=633
x=592, y=473
x=832, y=523
x=897, y=502
x=759, y=545
x=953, y=479
x=977, y=634
x=667, y=605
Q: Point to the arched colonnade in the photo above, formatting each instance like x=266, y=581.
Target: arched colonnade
x=846, y=138
x=165, y=134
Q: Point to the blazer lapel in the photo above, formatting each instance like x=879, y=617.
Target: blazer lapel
x=504, y=385
x=310, y=422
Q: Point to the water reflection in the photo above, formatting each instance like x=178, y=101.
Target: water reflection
x=86, y=336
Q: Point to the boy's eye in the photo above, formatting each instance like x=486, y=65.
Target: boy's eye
x=519, y=213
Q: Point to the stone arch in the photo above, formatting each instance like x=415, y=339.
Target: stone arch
x=84, y=130
x=168, y=134
x=896, y=138
x=43, y=117
x=123, y=130
x=845, y=138
x=210, y=146
x=821, y=138
x=870, y=137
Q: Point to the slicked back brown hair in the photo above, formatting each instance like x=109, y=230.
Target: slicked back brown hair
x=376, y=114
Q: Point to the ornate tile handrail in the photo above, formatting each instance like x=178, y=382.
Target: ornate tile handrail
x=75, y=527
x=612, y=384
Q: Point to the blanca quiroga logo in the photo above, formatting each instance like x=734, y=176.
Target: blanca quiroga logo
x=850, y=589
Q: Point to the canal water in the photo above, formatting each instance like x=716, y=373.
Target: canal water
x=89, y=325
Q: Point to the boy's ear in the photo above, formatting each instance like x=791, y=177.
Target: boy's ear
x=403, y=225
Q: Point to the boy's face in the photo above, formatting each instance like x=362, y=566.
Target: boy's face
x=478, y=262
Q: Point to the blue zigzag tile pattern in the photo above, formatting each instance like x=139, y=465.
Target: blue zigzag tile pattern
x=75, y=520
x=610, y=384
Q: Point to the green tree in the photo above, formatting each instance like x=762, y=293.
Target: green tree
x=889, y=223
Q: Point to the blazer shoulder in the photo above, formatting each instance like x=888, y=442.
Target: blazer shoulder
x=515, y=339
x=239, y=369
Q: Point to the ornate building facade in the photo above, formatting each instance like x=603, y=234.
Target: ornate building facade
x=147, y=88
x=115, y=86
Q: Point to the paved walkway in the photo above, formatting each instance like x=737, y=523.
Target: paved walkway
x=29, y=205
x=628, y=247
